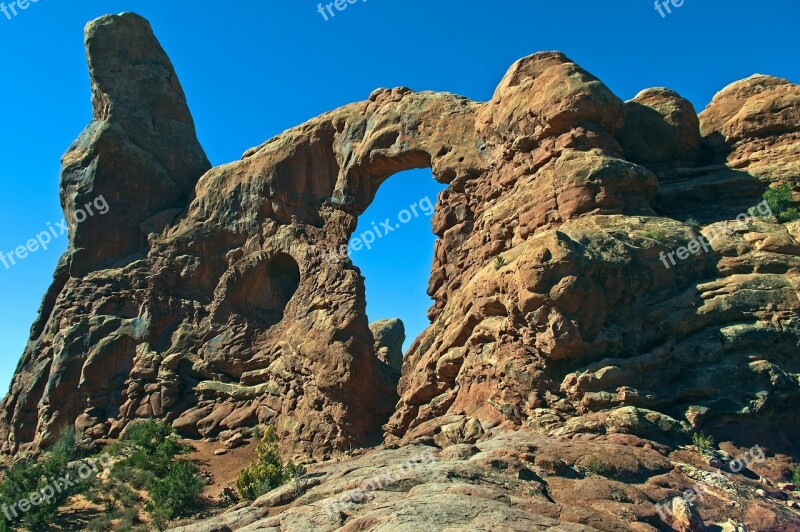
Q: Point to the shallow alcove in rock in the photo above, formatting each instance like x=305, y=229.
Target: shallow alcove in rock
x=265, y=289
x=284, y=277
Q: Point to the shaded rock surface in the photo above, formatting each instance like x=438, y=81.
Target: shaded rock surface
x=206, y=300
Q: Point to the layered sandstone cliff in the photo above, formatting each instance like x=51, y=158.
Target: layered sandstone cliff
x=203, y=298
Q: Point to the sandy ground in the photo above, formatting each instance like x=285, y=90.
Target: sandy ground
x=221, y=470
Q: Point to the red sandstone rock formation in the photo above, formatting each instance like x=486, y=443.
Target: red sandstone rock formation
x=205, y=300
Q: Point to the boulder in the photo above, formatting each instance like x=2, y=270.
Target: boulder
x=389, y=337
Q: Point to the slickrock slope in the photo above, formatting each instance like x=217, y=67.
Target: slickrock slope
x=203, y=297
x=523, y=481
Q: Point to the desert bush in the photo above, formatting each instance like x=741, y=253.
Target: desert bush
x=296, y=474
x=597, y=466
x=149, y=450
x=694, y=224
x=101, y=524
x=150, y=447
x=780, y=201
x=176, y=494
x=789, y=215
x=796, y=476
x=267, y=472
x=703, y=441
x=28, y=476
x=125, y=520
x=779, y=198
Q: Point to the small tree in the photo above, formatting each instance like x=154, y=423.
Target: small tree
x=26, y=477
x=268, y=471
x=173, y=486
x=174, y=495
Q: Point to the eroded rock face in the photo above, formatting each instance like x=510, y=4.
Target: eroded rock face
x=584, y=315
x=661, y=127
x=553, y=304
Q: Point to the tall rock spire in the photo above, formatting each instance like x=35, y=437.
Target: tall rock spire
x=140, y=153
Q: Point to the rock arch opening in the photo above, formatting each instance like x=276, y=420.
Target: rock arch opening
x=393, y=247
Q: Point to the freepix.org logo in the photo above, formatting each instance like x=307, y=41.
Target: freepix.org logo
x=377, y=231
x=663, y=6
x=43, y=239
x=10, y=10
x=327, y=10
x=46, y=494
x=703, y=243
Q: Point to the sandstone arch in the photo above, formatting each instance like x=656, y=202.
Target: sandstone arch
x=549, y=297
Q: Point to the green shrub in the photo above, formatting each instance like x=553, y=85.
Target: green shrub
x=499, y=262
x=296, y=474
x=26, y=477
x=268, y=471
x=597, y=466
x=796, y=476
x=781, y=203
x=125, y=520
x=137, y=478
x=176, y=494
x=779, y=198
x=121, y=508
x=152, y=437
x=789, y=215
x=702, y=441
x=694, y=224
x=160, y=516
x=149, y=449
x=102, y=523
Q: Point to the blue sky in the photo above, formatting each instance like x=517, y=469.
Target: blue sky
x=252, y=69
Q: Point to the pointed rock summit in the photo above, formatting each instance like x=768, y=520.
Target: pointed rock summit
x=140, y=153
